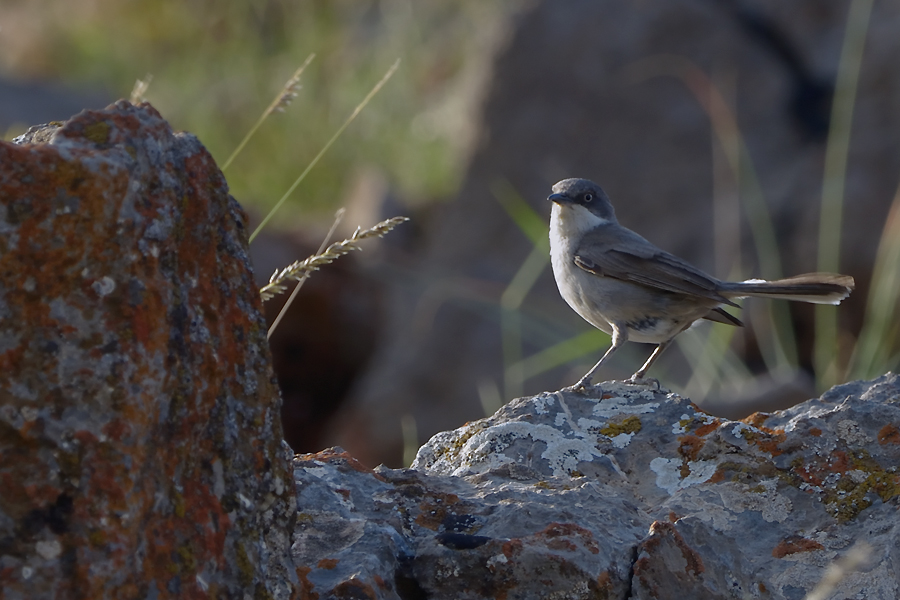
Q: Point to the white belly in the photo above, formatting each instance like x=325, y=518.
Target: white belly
x=599, y=301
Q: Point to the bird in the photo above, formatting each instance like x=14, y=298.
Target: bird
x=629, y=288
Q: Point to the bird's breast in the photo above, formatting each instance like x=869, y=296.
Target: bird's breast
x=603, y=300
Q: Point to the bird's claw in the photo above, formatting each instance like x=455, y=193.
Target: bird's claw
x=582, y=386
x=635, y=380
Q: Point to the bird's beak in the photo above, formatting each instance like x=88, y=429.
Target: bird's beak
x=559, y=198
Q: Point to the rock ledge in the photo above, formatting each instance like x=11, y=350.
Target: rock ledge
x=632, y=494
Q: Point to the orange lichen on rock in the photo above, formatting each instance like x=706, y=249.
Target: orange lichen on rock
x=568, y=537
x=756, y=419
x=795, y=544
x=139, y=402
x=327, y=563
x=689, y=446
x=435, y=508
x=708, y=428
x=889, y=434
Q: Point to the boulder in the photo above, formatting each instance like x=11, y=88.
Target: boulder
x=621, y=492
x=141, y=453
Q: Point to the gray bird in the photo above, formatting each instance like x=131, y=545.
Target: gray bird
x=622, y=284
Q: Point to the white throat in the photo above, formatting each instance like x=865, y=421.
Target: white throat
x=568, y=224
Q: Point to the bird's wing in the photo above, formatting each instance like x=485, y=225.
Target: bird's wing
x=613, y=251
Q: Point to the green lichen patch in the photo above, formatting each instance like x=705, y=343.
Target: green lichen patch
x=455, y=446
x=847, y=498
x=246, y=568
x=751, y=474
x=630, y=424
x=98, y=132
x=546, y=485
x=185, y=554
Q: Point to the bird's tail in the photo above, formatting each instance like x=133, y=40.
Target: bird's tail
x=818, y=288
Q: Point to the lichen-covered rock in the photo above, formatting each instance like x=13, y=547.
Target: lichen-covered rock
x=495, y=534
x=140, y=444
x=626, y=492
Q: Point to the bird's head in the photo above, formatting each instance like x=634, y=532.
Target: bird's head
x=583, y=200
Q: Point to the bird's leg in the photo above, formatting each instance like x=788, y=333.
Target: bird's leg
x=619, y=337
x=639, y=376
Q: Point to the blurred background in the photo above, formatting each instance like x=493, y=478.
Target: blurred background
x=754, y=139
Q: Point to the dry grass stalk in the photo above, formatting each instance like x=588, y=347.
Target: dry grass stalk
x=281, y=102
x=324, y=149
x=338, y=217
x=300, y=269
x=140, y=89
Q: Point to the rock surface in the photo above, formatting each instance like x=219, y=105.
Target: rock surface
x=625, y=492
x=140, y=444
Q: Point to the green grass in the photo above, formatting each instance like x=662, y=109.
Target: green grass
x=216, y=66
x=876, y=351
x=828, y=369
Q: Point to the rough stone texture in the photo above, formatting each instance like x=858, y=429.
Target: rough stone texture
x=626, y=492
x=140, y=446
x=615, y=91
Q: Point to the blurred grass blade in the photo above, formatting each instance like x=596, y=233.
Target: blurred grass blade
x=328, y=145
x=880, y=328
x=525, y=278
x=281, y=101
x=777, y=342
x=564, y=352
x=856, y=561
x=533, y=225
x=140, y=89
x=510, y=319
x=511, y=341
x=711, y=360
x=836, y=151
x=489, y=394
x=410, y=432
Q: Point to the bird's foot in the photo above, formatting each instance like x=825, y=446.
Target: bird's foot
x=649, y=381
x=581, y=387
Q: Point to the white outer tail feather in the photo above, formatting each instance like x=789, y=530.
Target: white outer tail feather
x=841, y=286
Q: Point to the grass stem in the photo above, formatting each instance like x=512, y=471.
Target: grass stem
x=328, y=145
x=281, y=101
x=338, y=217
x=832, y=204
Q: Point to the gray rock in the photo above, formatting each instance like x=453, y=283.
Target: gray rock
x=623, y=492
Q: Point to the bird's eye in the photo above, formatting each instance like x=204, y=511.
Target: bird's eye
x=588, y=197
